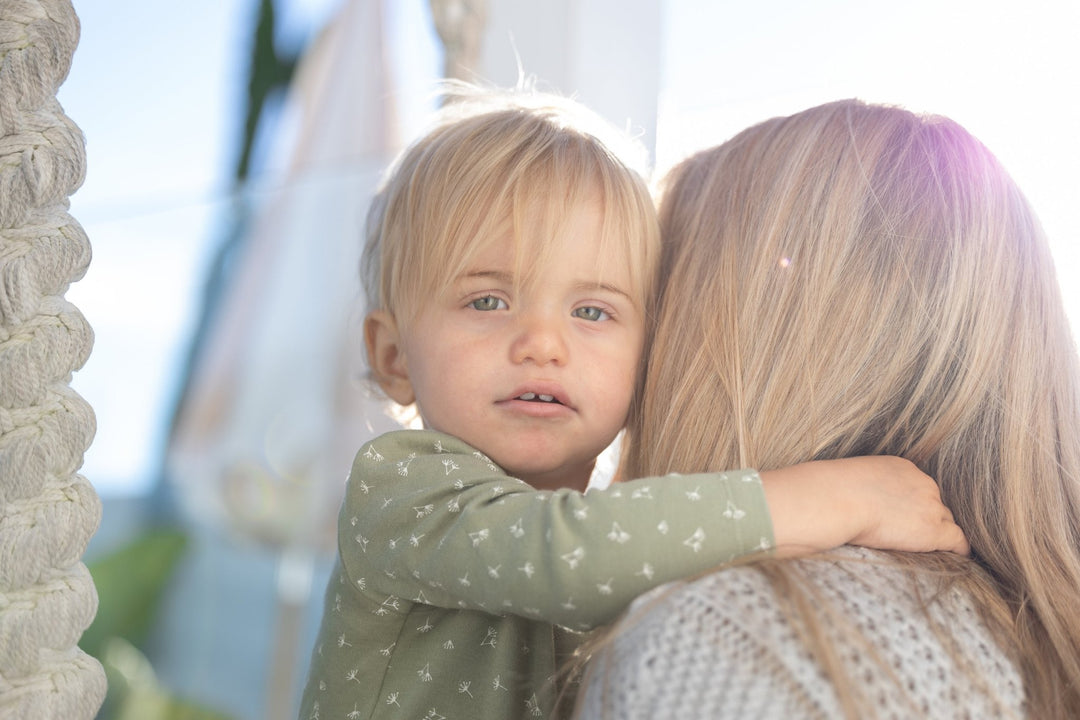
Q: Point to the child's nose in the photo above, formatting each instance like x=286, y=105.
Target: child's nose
x=541, y=339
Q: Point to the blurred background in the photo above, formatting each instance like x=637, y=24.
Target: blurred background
x=233, y=146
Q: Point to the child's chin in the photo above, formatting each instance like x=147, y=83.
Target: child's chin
x=548, y=477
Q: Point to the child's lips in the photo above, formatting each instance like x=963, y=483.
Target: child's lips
x=535, y=409
x=538, y=398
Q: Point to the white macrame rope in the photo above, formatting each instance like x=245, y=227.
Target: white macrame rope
x=39, y=259
x=37, y=40
x=48, y=512
x=460, y=24
x=49, y=531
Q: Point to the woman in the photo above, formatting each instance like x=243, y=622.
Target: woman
x=851, y=280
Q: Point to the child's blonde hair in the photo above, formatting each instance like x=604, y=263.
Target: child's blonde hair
x=857, y=279
x=503, y=164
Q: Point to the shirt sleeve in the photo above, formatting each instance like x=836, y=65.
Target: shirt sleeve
x=429, y=519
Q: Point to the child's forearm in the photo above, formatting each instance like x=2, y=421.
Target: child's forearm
x=881, y=502
x=466, y=536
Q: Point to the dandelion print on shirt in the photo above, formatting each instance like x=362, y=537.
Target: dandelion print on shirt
x=459, y=591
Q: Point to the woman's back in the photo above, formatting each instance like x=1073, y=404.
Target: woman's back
x=725, y=646
x=859, y=280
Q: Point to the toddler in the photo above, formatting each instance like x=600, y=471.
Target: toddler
x=511, y=261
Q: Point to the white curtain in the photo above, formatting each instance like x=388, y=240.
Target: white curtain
x=276, y=406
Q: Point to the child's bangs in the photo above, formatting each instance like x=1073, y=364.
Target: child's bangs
x=580, y=174
x=506, y=177
x=453, y=215
x=452, y=246
x=630, y=226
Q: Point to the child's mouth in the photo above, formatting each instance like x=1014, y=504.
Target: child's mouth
x=533, y=397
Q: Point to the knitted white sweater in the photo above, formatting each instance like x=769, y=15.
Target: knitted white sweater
x=721, y=647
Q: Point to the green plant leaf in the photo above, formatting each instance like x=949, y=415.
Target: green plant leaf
x=136, y=694
x=130, y=582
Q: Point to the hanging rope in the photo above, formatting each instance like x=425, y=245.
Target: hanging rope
x=47, y=511
x=460, y=24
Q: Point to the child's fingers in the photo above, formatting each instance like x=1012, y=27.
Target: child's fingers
x=948, y=535
x=956, y=541
x=953, y=538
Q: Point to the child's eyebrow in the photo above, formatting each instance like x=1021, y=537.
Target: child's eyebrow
x=497, y=275
x=586, y=286
x=507, y=278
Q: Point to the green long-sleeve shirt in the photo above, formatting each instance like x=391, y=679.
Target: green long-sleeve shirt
x=454, y=581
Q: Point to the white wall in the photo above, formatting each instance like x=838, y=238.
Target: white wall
x=605, y=53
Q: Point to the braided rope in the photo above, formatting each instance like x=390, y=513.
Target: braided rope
x=460, y=24
x=47, y=511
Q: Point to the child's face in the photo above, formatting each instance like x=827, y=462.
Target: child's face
x=538, y=377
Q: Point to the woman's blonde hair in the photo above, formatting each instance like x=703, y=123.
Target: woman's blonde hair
x=502, y=164
x=858, y=279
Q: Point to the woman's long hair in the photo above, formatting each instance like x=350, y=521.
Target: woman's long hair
x=858, y=279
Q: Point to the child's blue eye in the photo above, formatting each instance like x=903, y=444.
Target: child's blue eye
x=594, y=314
x=488, y=302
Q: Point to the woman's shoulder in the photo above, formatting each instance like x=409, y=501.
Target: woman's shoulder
x=906, y=637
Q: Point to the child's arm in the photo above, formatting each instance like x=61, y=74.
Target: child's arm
x=879, y=502
x=427, y=519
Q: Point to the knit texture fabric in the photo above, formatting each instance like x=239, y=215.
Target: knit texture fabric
x=723, y=647
x=47, y=511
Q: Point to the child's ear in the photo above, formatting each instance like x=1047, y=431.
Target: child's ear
x=386, y=357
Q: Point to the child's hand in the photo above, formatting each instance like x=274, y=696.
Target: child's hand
x=881, y=502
